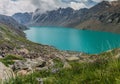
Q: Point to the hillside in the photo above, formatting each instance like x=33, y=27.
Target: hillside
x=105, y=16
x=7, y=20
x=23, y=18
x=14, y=42
x=14, y=39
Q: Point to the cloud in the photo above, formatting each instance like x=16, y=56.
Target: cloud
x=45, y=5
x=77, y=6
x=9, y=7
x=102, y=0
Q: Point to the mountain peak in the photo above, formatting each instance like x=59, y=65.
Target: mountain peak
x=115, y=3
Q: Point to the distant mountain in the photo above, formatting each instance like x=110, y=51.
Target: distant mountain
x=23, y=18
x=60, y=17
x=104, y=16
x=9, y=21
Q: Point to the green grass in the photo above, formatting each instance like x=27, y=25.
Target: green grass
x=107, y=72
x=57, y=63
x=9, y=59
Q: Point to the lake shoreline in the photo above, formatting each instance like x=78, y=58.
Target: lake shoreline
x=104, y=41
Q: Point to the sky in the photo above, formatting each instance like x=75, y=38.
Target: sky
x=9, y=7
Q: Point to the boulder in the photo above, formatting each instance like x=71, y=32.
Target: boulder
x=20, y=65
x=67, y=65
x=117, y=56
x=72, y=58
x=1, y=56
x=25, y=51
x=5, y=73
x=40, y=80
x=29, y=64
x=22, y=72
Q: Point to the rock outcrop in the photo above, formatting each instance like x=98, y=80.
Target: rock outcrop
x=5, y=73
x=29, y=64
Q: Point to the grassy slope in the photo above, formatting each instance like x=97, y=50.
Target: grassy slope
x=106, y=70
x=107, y=73
x=15, y=39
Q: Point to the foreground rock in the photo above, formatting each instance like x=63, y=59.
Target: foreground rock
x=72, y=58
x=30, y=64
x=5, y=73
x=22, y=72
x=67, y=66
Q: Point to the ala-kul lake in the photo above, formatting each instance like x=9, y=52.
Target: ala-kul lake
x=92, y=42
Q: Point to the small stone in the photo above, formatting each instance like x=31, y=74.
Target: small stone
x=55, y=70
x=67, y=66
x=72, y=58
x=25, y=51
x=22, y=72
x=117, y=56
x=40, y=80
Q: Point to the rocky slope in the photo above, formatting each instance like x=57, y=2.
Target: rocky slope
x=105, y=16
x=13, y=41
x=23, y=18
x=7, y=20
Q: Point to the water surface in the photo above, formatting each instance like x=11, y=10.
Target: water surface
x=92, y=42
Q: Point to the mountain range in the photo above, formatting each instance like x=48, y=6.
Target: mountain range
x=59, y=17
x=104, y=16
x=22, y=18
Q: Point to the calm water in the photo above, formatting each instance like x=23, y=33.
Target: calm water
x=91, y=42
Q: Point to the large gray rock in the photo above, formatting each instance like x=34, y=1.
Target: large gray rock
x=5, y=73
x=29, y=64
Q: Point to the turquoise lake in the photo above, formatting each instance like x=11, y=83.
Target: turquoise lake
x=91, y=42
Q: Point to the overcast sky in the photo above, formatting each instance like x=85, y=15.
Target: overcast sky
x=9, y=7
